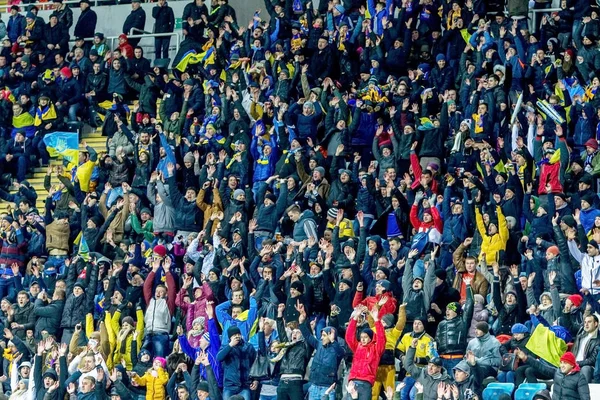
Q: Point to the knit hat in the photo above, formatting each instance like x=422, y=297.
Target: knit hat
x=588, y=198
x=593, y=243
x=128, y=320
x=321, y=171
x=441, y=274
x=593, y=143
x=80, y=284
x=332, y=212
x=25, y=364
x=100, y=35
x=553, y=250
x=297, y=285
x=569, y=358
x=483, y=327
x=455, y=306
x=162, y=362
x=369, y=332
x=569, y=221
x=233, y=330
x=160, y=250
x=189, y=157
x=145, y=210
x=202, y=386
x=271, y=196
x=347, y=282
x=464, y=367
x=440, y=57
x=30, y=15
x=50, y=373
x=385, y=270
x=237, y=193
x=385, y=284
x=387, y=320
x=66, y=71
x=576, y=299
x=519, y=328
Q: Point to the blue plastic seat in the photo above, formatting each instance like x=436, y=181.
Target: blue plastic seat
x=527, y=390
x=495, y=389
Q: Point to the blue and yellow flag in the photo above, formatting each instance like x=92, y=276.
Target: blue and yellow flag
x=192, y=57
x=65, y=144
x=45, y=114
x=84, y=249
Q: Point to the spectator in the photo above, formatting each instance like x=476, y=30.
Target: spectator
x=164, y=22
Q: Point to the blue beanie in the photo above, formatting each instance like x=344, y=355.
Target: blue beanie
x=440, y=57
x=424, y=67
x=519, y=328
x=30, y=15
x=384, y=284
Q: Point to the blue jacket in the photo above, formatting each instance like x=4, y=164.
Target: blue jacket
x=365, y=132
x=16, y=27
x=455, y=226
x=227, y=321
x=236, y=363
x=264, y=166
x=212, y=351
x=306, y=125
x=326, y=360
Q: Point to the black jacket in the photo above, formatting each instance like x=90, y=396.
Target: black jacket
x=136, y=19
x=56, y=35
x=48, y=316
x=86, y=24
x=165, y=20
x=573, y=386
x=297, y=355
x=451, y=336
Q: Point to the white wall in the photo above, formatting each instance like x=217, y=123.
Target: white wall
x=112, y=18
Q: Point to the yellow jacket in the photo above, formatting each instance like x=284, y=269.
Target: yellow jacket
x=491, y=245
x=423, y=347
x=393, y=334
x=346, y=229
x=116, y=346
x=155, y=387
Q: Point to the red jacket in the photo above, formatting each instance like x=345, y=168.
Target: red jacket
x=366, y=358
x=421, y=226
x=550, y=174
x=418, y=171
x=389, y=307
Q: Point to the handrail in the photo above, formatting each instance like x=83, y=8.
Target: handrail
x=112, y=39
x=48, y=5
x=134, y=29
x=534, y=14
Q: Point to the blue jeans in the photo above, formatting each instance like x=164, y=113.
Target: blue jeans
x=410, y=383
x=316, y=392
x=227, y=393
x=161, y=47
x=112, y=196
x=159, y=343
x=449, y=365
x=356, y=227
x=7, y=289
x=73, y=109
x=364, y=389
x=263, y=397
x=506, y=376
x=59, y=263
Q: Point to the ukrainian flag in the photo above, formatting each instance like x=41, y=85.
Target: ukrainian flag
x=192, y=57
x=65, y=144
x=45, y=114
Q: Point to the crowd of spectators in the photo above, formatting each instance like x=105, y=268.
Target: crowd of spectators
x=390, y=199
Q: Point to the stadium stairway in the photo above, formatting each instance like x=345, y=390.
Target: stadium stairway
x=92, y=137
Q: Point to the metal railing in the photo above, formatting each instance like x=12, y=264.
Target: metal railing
x=49, y=5
x=533, y=16
x=110, y=40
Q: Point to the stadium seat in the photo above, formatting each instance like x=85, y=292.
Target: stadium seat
x=495, y=389
x=527, y=390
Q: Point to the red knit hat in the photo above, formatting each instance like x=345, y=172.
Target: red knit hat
x=593, y=143
x=569, y=358
x=66, y=71
x=160, y=250
x=576, y=299
x=553, y=250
